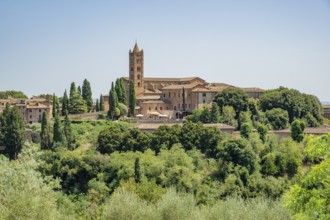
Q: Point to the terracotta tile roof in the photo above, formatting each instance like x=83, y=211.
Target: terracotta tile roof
x=184, y=79
x=186, y=86
x=201, y=89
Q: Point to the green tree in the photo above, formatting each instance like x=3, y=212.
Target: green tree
x=206, y=115
x=73, y=89
x=123, y=98
x=110, y=139
x=87, y=95
x=65, y=103
x=56, y=106
x=137, y=173
x=234, y=97
x=58, y=136
x=70, y=140
x=131, y=99
x=215, y=113
x=246, y=130
x=13, y=94
x=191, y=135
x=297, y=130
x=101, y=103
x=165, y=136
x=97, y=106
x=228, y=114
x=12, y=130
x=79, y=90
x=210, y=140
x=309, y=198
x=262, y=130
x=113, y=102
x=278, y=118
x=239, y=152
x=45, y=143
x=123, y=109
x=77, y=104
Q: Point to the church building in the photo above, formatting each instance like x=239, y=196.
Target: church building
x=171, y=97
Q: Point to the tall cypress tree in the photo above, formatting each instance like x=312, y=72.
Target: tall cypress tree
x=87, y=94
x=113, y=102
x=97, y=106
x=118, y=90
x=57, y=131
x=137, y=173
x=132, y=100
x=65, y=103
x=70, y=141
x=77, y=104
x=13, y=131
x=123, y=92
x=45, y=133
x=54, y=105
x=101, y=103
x=73, y=90
x=79, y=89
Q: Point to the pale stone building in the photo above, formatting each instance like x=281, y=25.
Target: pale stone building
x=31, y=109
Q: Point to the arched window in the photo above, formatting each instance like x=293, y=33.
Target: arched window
x=138, y=76
x=139, y=84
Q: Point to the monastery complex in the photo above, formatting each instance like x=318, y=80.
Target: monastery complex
x=171, y=96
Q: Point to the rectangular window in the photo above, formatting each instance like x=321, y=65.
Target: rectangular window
x=169, y=95
x=204, y=94
x=39, y=110
x=174, y=107
x=161, y=108
x=155, y=108
x=164, y=95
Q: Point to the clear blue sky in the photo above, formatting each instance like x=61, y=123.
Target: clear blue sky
x=45, y=45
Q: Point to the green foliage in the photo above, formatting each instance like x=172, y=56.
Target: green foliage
x=215, y=113
x=101, y=103
x=65, y=103
x=195, y=116
x=110, y=139
x=297, y=104
x=13, y=94
x=97, y=106
x=238, y=152
x=113, y=103
x=131, y=99
x=137, y=174
x=190, y=135
x=165, y=136
x=120, y=90
x=205, y=117
x=297, y=130
x=69, y=137
x=246, y=130
x=234, y=97
x=229, y=116
x=123, y=109
x=278, y=118
x=12, y=131
x=56, y=106
x=87, y=94
x=45, y=143
x=310, y=198
x=58, y=135
x=262, y=131
x=77, y=104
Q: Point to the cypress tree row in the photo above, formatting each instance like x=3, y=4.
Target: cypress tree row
x=132, y=100
x=65, y=103
x=87, y=94
x=45, y=143
x=12, y=131
x=101, y=103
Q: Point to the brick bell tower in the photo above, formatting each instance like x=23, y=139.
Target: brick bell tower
x=136, y=69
